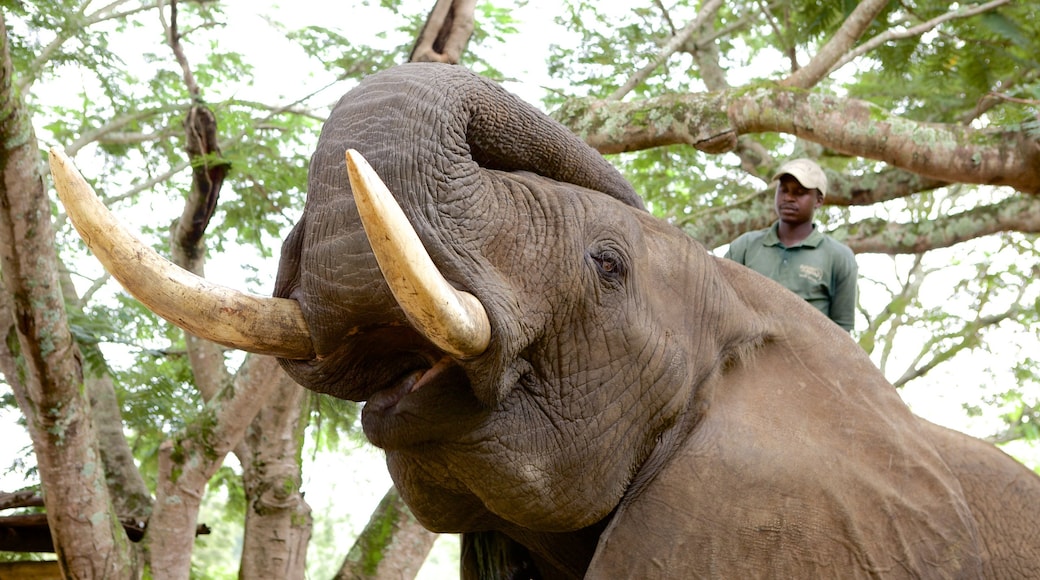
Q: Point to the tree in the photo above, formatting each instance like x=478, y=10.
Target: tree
x=913, y=130
x=96, y=467
x=40, y=360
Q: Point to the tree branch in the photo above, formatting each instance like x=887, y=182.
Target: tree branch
x=707, y=11
x=113, y=125
x=173, y=36
x=940, y=151
x=885, y=185
x=278, y=519
x=717, y=226
x=785, y=48
x=711, y=122
x=914, y=31
x=398, y=554
x=1021, y=427
x=894, y=312
x=44, y=56
x=1019, y=214
x=967, y=338
x=446, y=32
x=189, y=460
x=699, y=120
x=851, y=30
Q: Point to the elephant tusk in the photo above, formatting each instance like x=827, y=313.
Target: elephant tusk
x=272, y=326
x=453, y=320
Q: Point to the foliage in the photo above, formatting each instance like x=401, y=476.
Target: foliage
x=332, y=420
x=957, y=80
x=223, y=512
x=339, y=55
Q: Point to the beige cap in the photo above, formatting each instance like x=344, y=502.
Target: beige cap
x=806, y=171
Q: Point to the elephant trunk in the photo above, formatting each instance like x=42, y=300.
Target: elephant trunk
x=455, y=321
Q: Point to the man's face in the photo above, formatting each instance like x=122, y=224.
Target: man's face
x=795, y=205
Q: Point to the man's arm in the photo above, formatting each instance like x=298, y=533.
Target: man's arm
x=843, y=301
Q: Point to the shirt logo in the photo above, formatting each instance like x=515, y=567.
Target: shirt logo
x=810, y=273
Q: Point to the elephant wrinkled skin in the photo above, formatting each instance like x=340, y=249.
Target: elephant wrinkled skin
x=642, y=409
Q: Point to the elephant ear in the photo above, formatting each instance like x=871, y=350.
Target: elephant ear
x=509, y=134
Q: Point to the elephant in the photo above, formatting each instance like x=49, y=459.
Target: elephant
x=576, y=386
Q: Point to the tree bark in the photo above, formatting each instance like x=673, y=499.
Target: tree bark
x=711, y=122
x=188, y=461
x=446, y=33
x=42, y=363
x=130, y=496
x=278, y=520
x=392, y=545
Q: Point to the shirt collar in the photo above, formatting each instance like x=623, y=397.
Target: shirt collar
x=772, y=237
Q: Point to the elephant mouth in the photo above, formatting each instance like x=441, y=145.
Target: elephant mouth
x=431, y=400
x=385, y=400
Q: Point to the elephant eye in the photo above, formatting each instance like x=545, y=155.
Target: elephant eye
x=609, y=264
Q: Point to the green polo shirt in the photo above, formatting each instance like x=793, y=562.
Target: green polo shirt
x=820, y=269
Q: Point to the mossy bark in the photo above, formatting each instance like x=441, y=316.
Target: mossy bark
x=41, y=362
x=392, y=545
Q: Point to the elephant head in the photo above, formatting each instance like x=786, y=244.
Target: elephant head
x=580, y=378
x=554, y=371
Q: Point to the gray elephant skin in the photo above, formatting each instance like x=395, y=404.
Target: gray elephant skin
x=642, y=409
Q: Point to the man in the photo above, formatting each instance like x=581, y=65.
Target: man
x=795, y=253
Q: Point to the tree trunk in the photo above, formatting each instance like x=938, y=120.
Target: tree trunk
x=187, y=462
x=41, y=362
x=278, y=520
x=130, y=496
x=446, y=32
x=392, y=545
